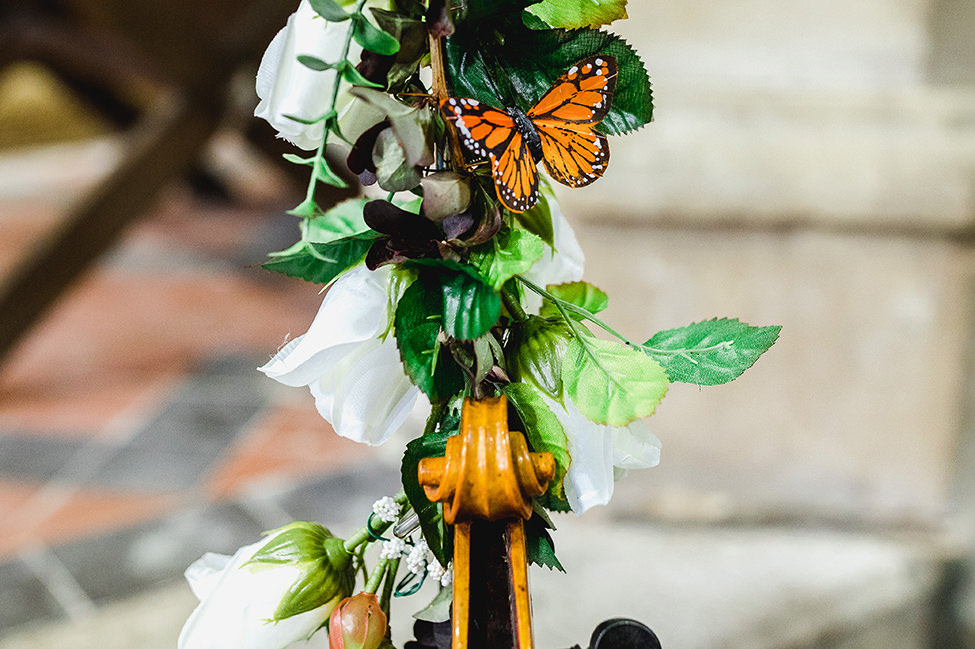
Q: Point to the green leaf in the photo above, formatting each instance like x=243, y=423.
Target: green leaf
x=329, y=578
x=430, y=513
x=538, y=219
x=470, y=306
x=506, y=255
x=610, y=383
x=371, y=37
x=439, y=609
x=417, y=326
x=350, y=74
x=539, y=545
x=315, y=63
x=342, y=220
x=324, y=173
x=582, y=294
x=476, y=11
x=573, y=14
x=543, y=430
x=712, y=352
x=539, y=349
x=321, y=262
x=520, y=70
x=329, y=10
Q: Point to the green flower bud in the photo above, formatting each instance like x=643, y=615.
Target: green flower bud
x=540, y=344
x=325, y=572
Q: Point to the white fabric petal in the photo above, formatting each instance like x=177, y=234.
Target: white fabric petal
x=367, y=396
x=600, y=455
x=635, y=447
x=563, y=263
x=238, y=602
x=286, y=87
x=354, y=310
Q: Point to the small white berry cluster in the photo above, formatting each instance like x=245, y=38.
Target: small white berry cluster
x=419, y=559
x=386, y=509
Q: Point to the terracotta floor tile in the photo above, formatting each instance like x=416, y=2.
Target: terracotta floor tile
x=290, y=441
x=89, y=513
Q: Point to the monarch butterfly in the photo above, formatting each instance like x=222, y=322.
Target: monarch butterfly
x=557, y=130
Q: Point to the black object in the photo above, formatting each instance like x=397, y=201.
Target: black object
x=622, y=633
x=430, y=635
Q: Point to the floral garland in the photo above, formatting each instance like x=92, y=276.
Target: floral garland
x=458, y=277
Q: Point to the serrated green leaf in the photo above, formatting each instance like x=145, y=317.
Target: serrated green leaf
x=573, y=14
x=582, y=294
x=712, y=352
x=507, y=255
x=470, y=306
x=430, y=514
x=321, y=262
x=342, y=220
x=610, y=383
x=520, y=70
x=539, y=545
x=371, y=37
x=417, y=326
x=543, y=430
x=330, y=10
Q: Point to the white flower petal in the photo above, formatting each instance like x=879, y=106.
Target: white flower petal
x=564, y=263
x=286, y=87
x=635, y=447
x=354, y=310
x=238, y=602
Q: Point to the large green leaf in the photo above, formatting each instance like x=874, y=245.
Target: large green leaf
x=543, y=430
x=321, y=262
x=342, y=220
x=430, y=513
x=539, y=545
x=572, y=14
x=519, y=70
x=417, y=323
x=508, y=254
x=712, y=352
x=610, y=383
x=471, y=306
x=476, y=11
x=371, y=37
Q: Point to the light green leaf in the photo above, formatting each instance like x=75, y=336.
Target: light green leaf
x=582, y=294
x=507, y=255
x=538, y=219
x=321, y=262
x=610, y=383
x=712, y=352
x=543, y=430
x=439, y=609
x=573, y=14
x=342, y=220
x=315, y=63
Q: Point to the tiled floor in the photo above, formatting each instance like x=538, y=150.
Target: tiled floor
x=135, y=432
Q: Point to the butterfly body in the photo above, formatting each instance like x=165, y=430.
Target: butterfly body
x=558, y=131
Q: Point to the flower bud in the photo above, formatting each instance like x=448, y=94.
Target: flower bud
x=357, y=623
x=539, y=349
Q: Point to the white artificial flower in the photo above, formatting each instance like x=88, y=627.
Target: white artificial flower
x=596, y=451
x=349, y=360
x=286, y=87
x=563, y=263
x=237, y=602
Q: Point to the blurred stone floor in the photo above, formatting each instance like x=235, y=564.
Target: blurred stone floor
x=135, y=431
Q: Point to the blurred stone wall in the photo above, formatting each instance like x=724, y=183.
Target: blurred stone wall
x=810, y=165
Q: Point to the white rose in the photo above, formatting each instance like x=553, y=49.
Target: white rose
x=286, y=87
x=597, y=451
x=349, y=360
x=237, y=603
x=562, y=263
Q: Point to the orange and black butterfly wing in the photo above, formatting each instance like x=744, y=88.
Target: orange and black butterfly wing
x=491, y=133
x=573, y=152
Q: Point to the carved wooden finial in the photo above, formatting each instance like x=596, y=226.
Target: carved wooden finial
x=488, y=471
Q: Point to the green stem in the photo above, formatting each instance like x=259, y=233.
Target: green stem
x=376, y=576
x=513, y=306
x=388, y=586
x=320, y=152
